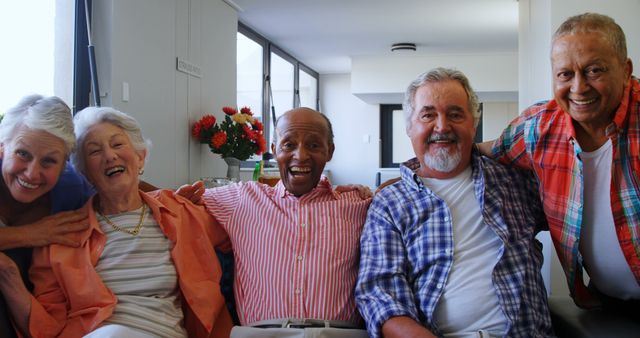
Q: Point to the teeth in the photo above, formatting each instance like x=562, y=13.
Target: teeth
x=27, y=185
x=114, y=170
x=300, y=169
x=584, y=102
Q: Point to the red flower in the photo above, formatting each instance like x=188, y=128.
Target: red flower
x=218, y=139
x=249, y=132
x=195, y=131
x=207, y=121
x=257, y=125
x=262, y=146
x=229, y=110
x=246, y=110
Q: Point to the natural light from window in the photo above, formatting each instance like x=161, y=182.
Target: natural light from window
x=37, y=38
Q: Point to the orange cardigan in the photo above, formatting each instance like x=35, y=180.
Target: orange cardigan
x=71, y=300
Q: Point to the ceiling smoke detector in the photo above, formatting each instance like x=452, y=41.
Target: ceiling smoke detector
x=403, y=47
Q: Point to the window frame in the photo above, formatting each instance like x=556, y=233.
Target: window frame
x=267, y=48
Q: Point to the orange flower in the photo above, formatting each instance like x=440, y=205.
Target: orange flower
x=218, y=139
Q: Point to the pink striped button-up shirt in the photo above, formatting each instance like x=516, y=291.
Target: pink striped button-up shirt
x=294, y=257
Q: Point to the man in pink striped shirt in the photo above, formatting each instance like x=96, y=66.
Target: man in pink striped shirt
x=296, y=244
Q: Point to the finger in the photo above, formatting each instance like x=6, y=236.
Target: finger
x=198, y=185
x=64, y=240
x=73, y=227
x=68, y=216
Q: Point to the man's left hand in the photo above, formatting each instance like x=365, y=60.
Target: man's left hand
x=192, y=192
x=363, y=191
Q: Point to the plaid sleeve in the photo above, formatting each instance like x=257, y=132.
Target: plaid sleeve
x=382, y=290
x=511, y=147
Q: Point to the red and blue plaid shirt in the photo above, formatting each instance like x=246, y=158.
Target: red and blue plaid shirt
x=543, y=139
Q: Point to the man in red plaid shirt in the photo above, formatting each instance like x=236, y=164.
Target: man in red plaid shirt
x=583, y=146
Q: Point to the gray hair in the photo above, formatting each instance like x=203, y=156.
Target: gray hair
x=37, y=112
x=595, y=23
x=440, y=74
x=91, y=116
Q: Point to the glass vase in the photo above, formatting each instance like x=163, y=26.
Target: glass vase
x=233, y=169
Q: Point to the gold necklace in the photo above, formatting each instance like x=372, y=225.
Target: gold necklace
x=133, y=232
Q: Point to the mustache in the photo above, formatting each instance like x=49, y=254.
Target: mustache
x=436, y=137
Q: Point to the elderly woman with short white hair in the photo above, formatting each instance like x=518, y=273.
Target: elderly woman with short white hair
x=146, y=267
x=36, y=139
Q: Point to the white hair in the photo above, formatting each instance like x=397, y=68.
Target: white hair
x=91, y=116
x=435, y=75
x=37, y=112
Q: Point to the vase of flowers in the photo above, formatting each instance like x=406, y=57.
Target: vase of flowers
x=238, y=137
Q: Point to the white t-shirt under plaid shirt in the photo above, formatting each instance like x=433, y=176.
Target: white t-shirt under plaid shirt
x=294, y=257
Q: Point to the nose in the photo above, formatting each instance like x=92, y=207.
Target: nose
x=33, y=170
x=579, y=83
x=442, y=124
x=301, y=153
x=110, y=154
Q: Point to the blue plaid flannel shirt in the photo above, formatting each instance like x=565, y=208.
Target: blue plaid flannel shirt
x=407, y=249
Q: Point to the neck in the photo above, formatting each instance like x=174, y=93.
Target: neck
x=109, y=204
x=13, y=212
x=590, y=137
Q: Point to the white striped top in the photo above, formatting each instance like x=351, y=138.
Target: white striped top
x=294, y=257
x=140, y=272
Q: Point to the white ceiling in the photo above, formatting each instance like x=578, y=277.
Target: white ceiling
x=325, y=34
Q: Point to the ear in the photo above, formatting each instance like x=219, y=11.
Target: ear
x=142, y=155
x=1, y=151
x=273, y=149
x=332, y=147
x=628, y=68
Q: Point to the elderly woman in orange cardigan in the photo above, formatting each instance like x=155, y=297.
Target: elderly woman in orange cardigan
x=146, y=266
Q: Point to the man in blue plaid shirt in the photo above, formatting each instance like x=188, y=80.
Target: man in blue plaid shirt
x=449, y=250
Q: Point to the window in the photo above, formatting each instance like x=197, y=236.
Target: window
x=308, y=88
x=36, y=57
x=270, y=81
x=250, y=72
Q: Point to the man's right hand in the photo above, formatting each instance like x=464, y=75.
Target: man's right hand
x=404, y=326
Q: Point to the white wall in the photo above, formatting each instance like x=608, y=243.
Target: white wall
x=354, y=160
x=137, y=42
x=495, y=116
x=384, y=79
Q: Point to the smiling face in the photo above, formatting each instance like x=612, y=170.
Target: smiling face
x=441, y=129
x=302, y=150
x=111, y=162
x=31, y=163
x=588, y=77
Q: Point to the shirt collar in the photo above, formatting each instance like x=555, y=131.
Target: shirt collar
x=323, y=187
x=408, y=168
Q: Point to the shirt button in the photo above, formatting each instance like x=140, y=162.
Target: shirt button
x=446, y=219
x=297, y=291
x=439, y=286
x=299, y=257
x=303, y=225
x=447, y=251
